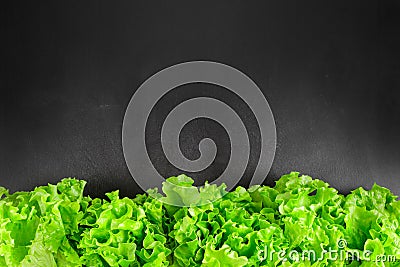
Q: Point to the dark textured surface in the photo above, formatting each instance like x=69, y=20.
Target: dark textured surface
x=330, y=71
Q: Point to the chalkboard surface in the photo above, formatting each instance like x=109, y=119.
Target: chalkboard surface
x=329, y=70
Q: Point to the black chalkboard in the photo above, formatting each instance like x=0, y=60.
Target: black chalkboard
x=329, y=70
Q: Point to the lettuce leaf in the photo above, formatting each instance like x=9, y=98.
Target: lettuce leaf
x=294, y=223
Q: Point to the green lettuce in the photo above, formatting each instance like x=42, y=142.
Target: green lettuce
x=300, y=221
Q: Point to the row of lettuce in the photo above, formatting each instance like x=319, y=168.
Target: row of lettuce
x=56, y=225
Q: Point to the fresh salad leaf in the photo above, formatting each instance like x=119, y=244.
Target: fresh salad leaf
x=300, y=221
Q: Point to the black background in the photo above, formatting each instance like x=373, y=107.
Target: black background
x=329, y=69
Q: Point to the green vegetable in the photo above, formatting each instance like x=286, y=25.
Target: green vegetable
x=299, y=222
